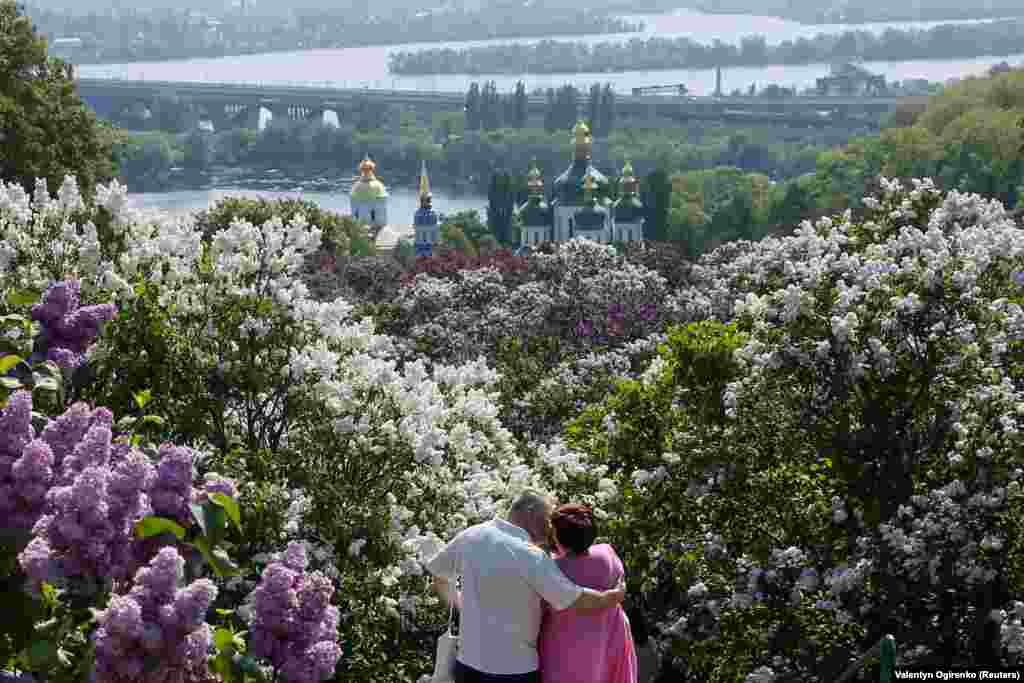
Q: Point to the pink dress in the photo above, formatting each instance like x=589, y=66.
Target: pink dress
x=588, y=647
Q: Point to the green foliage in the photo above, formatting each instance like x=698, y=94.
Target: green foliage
x=45, y=129
x=342, y=236
x=463, y=230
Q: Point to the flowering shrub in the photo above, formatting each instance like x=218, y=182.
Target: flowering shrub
x=514, y=269
x=796, y=445
x=861, y=458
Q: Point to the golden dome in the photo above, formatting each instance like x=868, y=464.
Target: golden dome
x=368, y=187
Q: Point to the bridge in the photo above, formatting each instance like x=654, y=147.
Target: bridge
x=232, y=104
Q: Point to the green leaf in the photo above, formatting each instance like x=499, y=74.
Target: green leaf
x=217, y=559
x=154, y=526
x=10, y=383
x=126, y=422
x=8, y=362
x=23, y=297
x=142, y=398
x=155, y=420
x=42, y=655
x=199, y=515
x=45, y=383
x=223, y=639
x=12, y=319
x=49, y=368
x=230, y=506
x=216, y=522
x=250, y=666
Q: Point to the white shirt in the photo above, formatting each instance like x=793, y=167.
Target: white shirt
x=504, y=579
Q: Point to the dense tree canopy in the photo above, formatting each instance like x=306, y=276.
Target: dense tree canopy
x=45, y=129
x=551, y=56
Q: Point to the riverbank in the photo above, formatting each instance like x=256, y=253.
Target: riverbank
x=852, y=12
x=332, y=32
x=658, y=54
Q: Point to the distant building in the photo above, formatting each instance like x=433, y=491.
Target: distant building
x=850, y=79
x=369, y=197
x=581, y=206
x=426, y=223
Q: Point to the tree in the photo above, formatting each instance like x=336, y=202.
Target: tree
x=473, y=106
x=795, y=205
x=658, y=200
x=607, y=109
x=46, y=131
x=198, y=150
x=501, y=202
x=594, y=110
x=490, y=107
x=521, y=109
x=550, y=111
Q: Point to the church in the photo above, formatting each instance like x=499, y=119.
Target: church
x=580, y=205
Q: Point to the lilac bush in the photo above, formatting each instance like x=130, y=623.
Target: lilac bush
x=157, y=631
x=294, y=626
x=847, y=465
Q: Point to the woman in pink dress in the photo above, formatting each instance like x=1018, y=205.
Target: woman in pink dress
x=585, y=647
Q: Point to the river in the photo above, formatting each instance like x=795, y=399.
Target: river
x=402, y=202
x=368, y=66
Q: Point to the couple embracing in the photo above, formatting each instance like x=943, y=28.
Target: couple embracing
x=530, y=616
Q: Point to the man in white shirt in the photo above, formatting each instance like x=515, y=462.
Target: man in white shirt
x=506, y=574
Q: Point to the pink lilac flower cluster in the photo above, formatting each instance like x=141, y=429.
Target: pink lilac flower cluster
x=68, y=327
x=294, y=626
x=158, y=631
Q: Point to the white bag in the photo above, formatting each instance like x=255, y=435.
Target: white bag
x=447, y=649
x=444, y=665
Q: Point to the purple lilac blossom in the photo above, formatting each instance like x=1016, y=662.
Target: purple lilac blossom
x=156, y=623
x=65, y=432
x=172, y=490
x=15, y=434
x=70, y=328
x=85, y=527
x=294, y=626
x=215, y=483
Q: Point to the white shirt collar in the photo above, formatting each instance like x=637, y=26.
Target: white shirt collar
x=511, y=528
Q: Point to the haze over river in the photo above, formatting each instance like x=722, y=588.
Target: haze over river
x=368, y=66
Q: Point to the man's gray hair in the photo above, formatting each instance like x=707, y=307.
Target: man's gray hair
x=530, y=502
